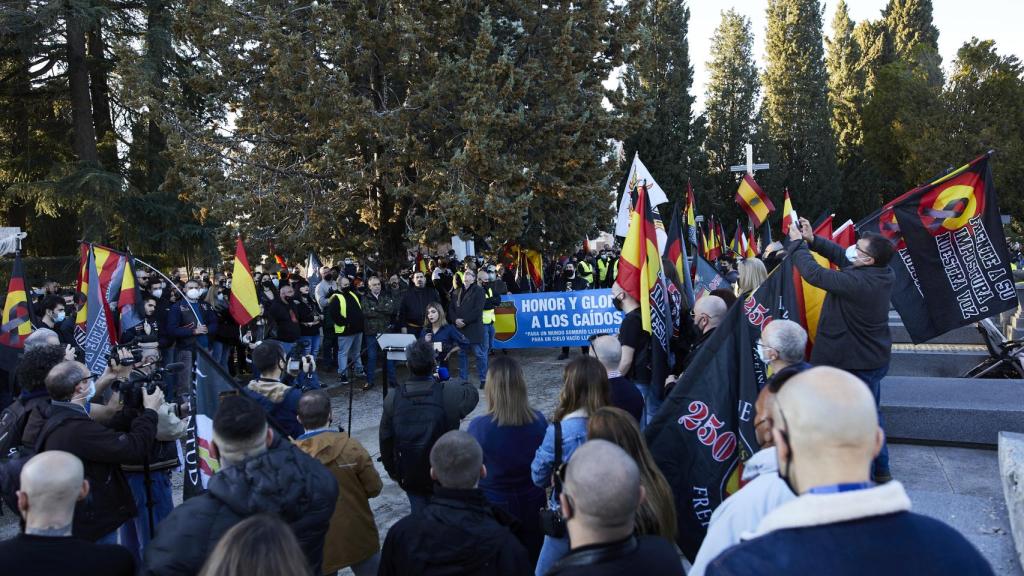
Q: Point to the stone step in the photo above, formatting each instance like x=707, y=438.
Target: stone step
x=962, y=335
x=935, y=360
x=955, y=410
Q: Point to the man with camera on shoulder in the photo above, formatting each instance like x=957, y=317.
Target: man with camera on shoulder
x=127, y=438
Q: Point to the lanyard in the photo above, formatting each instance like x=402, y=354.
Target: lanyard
x=837, y=488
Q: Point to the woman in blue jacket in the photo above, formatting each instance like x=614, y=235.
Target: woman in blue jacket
x=584, y=390
x=510, y=433
x=436, y=329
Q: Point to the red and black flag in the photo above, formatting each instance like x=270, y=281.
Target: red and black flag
x=952, y=263
x=16, y=323
x=676, y=252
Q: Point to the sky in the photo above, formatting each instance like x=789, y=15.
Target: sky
x=957, y=21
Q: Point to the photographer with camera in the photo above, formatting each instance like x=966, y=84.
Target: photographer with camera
x=278, y=399
x=150, y=482
x=127, y=439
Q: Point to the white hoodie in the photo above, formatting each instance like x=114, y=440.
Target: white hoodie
x=743, y=511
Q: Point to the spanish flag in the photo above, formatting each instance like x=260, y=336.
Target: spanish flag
x=753, y=200
x=244, y=305
x=714, y=245
x=810, y=298
x=787, y=214
x=676, y=251
x=641, y=276
x=16, y=323
x=421, y=263
x=751, y=245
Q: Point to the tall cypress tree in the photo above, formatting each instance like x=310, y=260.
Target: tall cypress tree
x=796, y=107
x=914, y=38
x=658, y=100
x=730, y=107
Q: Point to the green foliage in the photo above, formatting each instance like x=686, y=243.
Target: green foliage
x=796, y=108
x=732, y=93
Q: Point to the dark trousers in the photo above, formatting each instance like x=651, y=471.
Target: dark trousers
x=873, y=378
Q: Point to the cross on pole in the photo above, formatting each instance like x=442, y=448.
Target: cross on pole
x=749, y=167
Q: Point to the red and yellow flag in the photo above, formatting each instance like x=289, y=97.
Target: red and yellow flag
x=754, y=201
x=787, y=214
x=810, y=298
x=16, y=323
x=244, y=306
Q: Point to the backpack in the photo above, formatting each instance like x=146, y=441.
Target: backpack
x=12, y=425
x=419, y=420
x=14, y=459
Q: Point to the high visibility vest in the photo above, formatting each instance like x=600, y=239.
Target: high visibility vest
x=602, y=270
x=586, y=272
x=457, y=280
x=488, y=317
x=343, y=309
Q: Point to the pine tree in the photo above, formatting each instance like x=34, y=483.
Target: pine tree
x=796, y=108
x=730, y=105
x=914, y=38
x=657, y=82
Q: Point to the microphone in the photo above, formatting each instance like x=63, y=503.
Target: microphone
x=176, y=367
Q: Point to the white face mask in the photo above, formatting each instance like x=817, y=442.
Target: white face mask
x=762, y=354
x=90, y=392
x=158, y=293
x=851, y=254
x=193, y=294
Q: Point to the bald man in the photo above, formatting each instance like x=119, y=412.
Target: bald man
x=708, y=314
x=51, y=483
x=826, y=433
x=624, y=394
x=599, y=500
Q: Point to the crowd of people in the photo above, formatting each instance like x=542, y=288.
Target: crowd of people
x=514, y=491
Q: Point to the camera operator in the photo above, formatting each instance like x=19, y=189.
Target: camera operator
x=279, y=399
x=150, y=482
x=128, y=439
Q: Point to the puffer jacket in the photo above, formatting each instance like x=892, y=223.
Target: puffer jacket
x=353, y=534
x=283, y=481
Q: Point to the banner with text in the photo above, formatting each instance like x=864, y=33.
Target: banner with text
x=548, y=319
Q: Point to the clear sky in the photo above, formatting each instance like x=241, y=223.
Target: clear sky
x=957, y=21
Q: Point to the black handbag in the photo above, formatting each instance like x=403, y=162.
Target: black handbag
x=552, y=523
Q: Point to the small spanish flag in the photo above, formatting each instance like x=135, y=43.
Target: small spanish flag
x=787, y=214
x=754, y=201
x=243, y=305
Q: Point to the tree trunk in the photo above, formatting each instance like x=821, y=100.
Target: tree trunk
x=84, y=141
x=99, y=88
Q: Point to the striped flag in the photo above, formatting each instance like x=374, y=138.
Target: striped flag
x=753, y=200
x=96, y=337
x=641, y=276
x=787, y=213
x=243, y=306
x=691, y=214
x=129, y=300
x=107, y=261
x=16, y=323
x=845, y=235
x=676, y=252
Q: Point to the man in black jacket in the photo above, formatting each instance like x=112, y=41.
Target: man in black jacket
x=413, y=307
x=599, y=500
x=101, y=449
x=259, y=473
x=459, y=532
x=853, y=329
x=568, y=281
x=416, y=414
x=467, y=312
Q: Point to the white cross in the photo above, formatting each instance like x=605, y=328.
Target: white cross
x=749, y=167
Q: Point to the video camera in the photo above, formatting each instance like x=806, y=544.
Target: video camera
x=131, y=391
x=299, y=362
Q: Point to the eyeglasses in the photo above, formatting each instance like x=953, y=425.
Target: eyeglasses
x=86, y=379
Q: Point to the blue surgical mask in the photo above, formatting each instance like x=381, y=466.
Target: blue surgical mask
x=851, y=253
x=59, y=317
x=91, y=391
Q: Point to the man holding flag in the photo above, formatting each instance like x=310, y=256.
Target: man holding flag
x=853, y=327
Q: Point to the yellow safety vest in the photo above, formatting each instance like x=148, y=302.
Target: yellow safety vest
x=602, y=270
x=343, y=308
x=587, y=272
x=488, y=317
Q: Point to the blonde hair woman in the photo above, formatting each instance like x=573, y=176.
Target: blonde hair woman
x=510, y=433
x=752, y=275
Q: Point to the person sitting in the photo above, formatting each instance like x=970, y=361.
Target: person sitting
x=51, y=483
x=258, y=473
x=278, y=399
x=826, y=433
x=623, y=393
x=600, y=499
x=352, y=540
x=261, y=545
x=458, y=532
x=509, y=434
x=416, y=414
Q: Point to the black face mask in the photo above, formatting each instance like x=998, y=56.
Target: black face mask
x=785, y=476
x=617, y=302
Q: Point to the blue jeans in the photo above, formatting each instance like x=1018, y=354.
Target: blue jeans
x=553, y=550
x=651, y=403
x=309, y=345
x=373, y=350
x=221, y=352
x=873, y=378
x=135, y=533
x=417, y=502
x=480, y=352
x=488, y=337
x=368, y=567
x=349, y=348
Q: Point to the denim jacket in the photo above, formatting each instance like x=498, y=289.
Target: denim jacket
x=574, y=434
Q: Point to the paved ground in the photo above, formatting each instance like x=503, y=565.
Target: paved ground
x=958, y=486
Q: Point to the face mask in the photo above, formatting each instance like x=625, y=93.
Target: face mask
x=90, y=392
x=59, y=318
x=275, y=282
x=789, y=467
x=617, y=302
x=762, y=354
x=851, y=254
x=220, y=297
x=158, y=293
x=193, y=294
